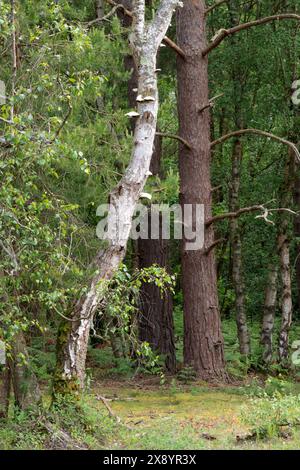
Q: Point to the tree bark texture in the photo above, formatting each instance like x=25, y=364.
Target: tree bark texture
x=203, y=340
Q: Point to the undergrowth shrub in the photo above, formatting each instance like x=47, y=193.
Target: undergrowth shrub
x=268, y=416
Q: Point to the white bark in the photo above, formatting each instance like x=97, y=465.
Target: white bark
x=269, y=314
x=286, y=307
x=145, y=40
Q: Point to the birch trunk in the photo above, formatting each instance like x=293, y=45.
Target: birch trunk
x=286, y=306
x=73, y=336
x=269, y=314
x=284, y=254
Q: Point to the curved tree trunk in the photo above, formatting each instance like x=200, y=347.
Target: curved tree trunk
x=203, y=340
x=73, y=336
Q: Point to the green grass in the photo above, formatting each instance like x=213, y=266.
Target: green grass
x=198, y=418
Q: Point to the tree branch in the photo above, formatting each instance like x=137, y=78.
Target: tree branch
x=213, y=245
x=106, y=17
x=244, y=210
x=166, y=39
x=223, y=33
x=138, y=19
x=158, y=26
x=176, y=137
x=210, y=103
x=257, y=132
x=215, y=5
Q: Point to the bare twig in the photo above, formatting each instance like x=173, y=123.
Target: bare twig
x=215, y=5
x=213, y=245
x=259, y=207
x=106, y=17
x=13, y=257
x=223, y=33
x=7, y=121
x=257, y=132
x=210, y=102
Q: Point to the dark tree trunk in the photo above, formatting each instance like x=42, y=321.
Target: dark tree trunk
x=25, y=385
x=236, y=252
x=203, y=340
x=234, y=193
x=156, y=310
x=5, y=388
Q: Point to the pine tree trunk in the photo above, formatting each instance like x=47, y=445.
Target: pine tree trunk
x=269, y=314
x=203, y=340
x=156, y=310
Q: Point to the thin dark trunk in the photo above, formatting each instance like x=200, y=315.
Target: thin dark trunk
x=5, y=388
x=25, y=385
x=203, y=340
x=234, y=195
x=156, y=311
x=236, y=252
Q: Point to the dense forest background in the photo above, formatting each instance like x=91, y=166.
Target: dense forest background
x=80, y=319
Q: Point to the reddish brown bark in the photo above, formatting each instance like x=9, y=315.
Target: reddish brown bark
x=203, y=340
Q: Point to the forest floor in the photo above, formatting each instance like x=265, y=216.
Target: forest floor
x=139, y=413
x=178, y=417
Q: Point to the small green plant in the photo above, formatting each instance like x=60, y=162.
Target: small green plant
x=268, y=416
x=187, y=375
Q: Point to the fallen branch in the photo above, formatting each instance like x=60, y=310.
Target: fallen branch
x=257, y=132
x=223, y=33
x=110, y=411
